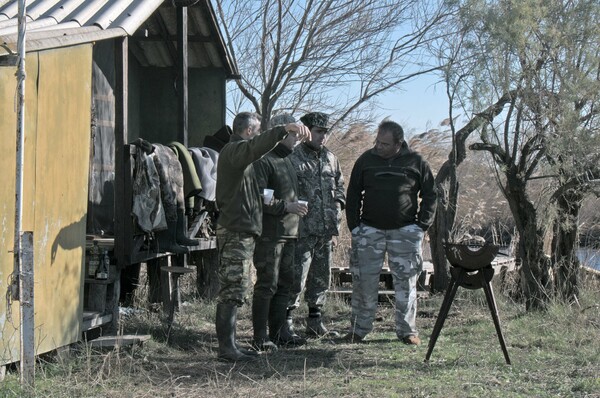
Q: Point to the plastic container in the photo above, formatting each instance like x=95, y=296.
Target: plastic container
x=94, y=260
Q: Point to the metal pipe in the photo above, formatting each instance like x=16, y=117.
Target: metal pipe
x=23, y=262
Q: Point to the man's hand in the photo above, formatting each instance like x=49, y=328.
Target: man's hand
x=300, y=209
x=300, y=131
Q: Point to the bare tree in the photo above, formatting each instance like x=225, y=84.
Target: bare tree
x=334, y=55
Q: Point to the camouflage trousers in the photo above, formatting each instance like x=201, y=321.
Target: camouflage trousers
x=235, y=257
x=274, y=263
x=369, y=247
x=312, y=268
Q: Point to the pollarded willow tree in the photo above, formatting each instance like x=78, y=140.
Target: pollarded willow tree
x=545, y=55
x=334, y=56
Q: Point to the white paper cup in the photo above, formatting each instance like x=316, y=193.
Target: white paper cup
x=303, y=202
x=267, y=195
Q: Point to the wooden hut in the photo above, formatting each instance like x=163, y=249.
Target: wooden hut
x=100, y=73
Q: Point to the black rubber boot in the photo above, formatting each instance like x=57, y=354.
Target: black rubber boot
x=315, y=327
x=181, y=234
x=243, y=350
x=260, y=315
x=281, y=328
x=225, y=325
x=167, y=240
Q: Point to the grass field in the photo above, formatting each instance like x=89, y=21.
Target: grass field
x=553, y=354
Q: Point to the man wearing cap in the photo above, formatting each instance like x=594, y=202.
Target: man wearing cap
x=321, y=184
x=240, y=219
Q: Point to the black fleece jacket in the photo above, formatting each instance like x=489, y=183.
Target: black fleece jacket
x=391, y=193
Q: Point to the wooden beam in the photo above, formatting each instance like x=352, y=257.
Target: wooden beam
x=173, y=38
x=182, y=56
x=182, y=95
x=123, y=225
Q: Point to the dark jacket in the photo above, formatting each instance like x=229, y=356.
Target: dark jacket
x=275, y=171
x=385, y=193
x=321, y=183
x=238, y=196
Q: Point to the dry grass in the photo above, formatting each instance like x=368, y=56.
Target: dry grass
x=556, y=353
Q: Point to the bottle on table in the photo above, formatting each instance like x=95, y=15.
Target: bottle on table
x=102, y=272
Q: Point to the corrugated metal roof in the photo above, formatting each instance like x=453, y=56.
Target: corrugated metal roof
x=151, y=24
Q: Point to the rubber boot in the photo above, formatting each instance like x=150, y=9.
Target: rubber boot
x=315, y=327
x=243, y=350
x=281, y=328
x=225, y=325
x=167, y=240
x=181, y=234
x=260, y=315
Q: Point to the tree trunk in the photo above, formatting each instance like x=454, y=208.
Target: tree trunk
x=535, y=266
x=564, y=244
x=447, y=186
x=439, y=233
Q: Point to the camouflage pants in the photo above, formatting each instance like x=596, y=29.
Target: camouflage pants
x=274, y=263
x=369, y=247
x=312, y=268
x=235, y=256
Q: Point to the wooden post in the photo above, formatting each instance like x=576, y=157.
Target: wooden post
x=123, y=225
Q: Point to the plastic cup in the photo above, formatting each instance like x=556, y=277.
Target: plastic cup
x=268, y=195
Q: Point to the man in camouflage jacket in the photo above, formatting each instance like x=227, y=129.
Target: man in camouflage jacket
x=321, y=184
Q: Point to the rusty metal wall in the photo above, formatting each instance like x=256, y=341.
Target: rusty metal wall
x=57, y=139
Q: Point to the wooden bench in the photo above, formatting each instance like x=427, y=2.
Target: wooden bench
x=342, y=281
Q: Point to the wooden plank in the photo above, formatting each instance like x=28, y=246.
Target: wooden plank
x=384, y=295
x=94, y=319
x=112, y=298
x=96, y=297
x=119, y=341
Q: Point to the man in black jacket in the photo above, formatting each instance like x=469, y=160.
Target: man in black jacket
x=240, y=219
x=274, y=252
x=390, y=203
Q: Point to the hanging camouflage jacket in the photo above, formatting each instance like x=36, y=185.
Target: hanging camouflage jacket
x=321, y=184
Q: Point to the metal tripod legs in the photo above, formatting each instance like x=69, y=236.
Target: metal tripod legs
x=481, y=279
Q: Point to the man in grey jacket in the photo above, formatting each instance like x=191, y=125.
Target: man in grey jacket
x=240, y=219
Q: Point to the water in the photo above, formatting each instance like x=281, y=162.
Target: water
x=589, y=258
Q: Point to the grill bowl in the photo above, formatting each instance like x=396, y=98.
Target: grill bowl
x=471, y=257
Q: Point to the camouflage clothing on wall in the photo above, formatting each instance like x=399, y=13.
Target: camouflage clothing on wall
x=171, y=180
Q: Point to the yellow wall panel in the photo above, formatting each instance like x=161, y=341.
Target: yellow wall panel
x=57, y=141
x=62, y=164
x=9, y=316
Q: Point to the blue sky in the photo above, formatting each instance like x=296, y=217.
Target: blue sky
x=420, y=106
